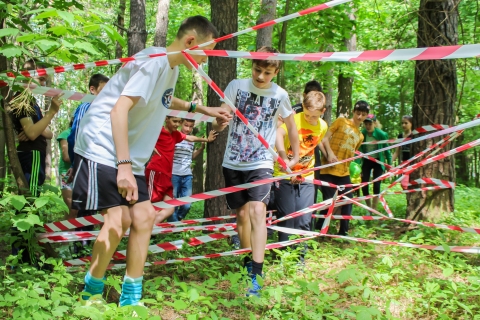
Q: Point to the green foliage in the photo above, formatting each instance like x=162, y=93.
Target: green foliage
x=341, y=280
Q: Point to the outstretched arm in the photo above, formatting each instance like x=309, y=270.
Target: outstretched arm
x=216, y=112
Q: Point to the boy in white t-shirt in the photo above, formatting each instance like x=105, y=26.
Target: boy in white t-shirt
x=117, y=136
x=247, y=160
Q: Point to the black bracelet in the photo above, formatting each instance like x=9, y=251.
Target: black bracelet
x=119, y=162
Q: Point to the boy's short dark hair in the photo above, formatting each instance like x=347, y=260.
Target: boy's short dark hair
x=361, y=106
x=33, y=64
x=267, y=63
x=202, y=26
x=313, y=85
x=314, y=100
x=409, y=118
x=189, y=120
x=96, y=79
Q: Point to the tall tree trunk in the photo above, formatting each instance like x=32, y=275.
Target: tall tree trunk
x=120, y=28
x=222, y=71
x=2, y=150
x=137, y=33
x=267, y=13
x=198, y=176
x=3, y=92
x=345, y=82
x=161, y=27
x=328, y=91
x=282, y=43
x=434, y=102
x=12, y=153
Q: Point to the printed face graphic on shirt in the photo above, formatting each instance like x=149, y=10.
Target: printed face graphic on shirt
x=167, y=98
x=260, y=113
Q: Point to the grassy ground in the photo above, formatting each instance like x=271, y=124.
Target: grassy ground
x=341, y=280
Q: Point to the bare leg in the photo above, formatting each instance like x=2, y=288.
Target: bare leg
x=258, y=237
x=163, y=214
x=243, y=225
x=67, y=198
x=116, y=222
x=142, y=216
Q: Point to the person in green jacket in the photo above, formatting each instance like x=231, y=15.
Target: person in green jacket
x=372, y=132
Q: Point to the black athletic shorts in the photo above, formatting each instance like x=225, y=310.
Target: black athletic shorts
x=235, y=177
x=95, y=186
x=33, y=167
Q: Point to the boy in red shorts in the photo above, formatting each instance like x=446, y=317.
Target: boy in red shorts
x=159, y=170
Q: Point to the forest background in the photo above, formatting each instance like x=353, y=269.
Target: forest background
x=64, y=32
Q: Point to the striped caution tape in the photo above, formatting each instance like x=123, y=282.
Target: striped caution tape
x=158, y=248
x=91, y=235
x=427, y=53
x=269, y=246
x=102, y=63
x=312, y=234
x=374, y=160
x=98, y=218
x=394, y=171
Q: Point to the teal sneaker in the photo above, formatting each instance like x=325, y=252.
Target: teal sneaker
x=255, y=287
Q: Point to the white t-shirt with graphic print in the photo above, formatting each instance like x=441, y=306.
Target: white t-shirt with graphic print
x=261, y=107
x=152, y=80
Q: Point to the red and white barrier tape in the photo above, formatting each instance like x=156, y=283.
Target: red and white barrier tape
x=98, y=218
x=428, y=53
x=208, y=256
x=425, y=224
x=79, y=222
x=101, y=63
x=158, y=248
x=374, y=160
x=345, y=217
x=326, y=222
x=424, y=129
x=91, y=235
x=223, y=191
x=310, y=234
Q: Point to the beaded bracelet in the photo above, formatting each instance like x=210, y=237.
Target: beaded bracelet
x=119, y=162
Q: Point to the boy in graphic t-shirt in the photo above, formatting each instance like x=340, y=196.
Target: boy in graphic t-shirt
x=118, y=134
x=294, y=194
x=343, y=138
x=247, y=160
x=159, y=170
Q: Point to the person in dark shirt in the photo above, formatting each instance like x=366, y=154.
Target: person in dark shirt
x=403, y=152
x=32, y=129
